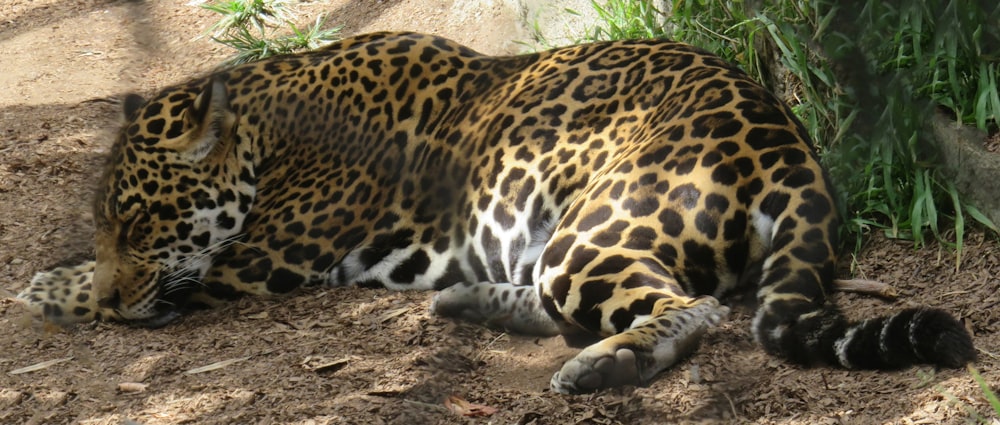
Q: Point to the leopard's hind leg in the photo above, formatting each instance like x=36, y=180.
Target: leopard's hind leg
x=620, y=295
x=497, y=305
x=646, y=321
x=635, y=261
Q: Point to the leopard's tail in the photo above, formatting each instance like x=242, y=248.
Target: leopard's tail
x=797, y=320
x=824, y=336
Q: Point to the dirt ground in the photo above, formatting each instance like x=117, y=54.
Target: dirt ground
x=363, y=356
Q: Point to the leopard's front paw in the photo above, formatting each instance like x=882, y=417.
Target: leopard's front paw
x=63, y=295
x=592, y=370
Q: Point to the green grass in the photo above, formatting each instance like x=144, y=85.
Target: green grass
x=626, y=19
x=973, y=415
x=259, y=14
x=251, y=28
x=865, y=79
x=988, y=393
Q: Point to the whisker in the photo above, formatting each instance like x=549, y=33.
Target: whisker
x=170, y=303
x=188, y=262
x=176, y=284
x=185, y=272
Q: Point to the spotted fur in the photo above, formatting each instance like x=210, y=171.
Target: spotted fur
x=608, y=191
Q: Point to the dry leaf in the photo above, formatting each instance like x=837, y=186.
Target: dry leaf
x=459, y=406
x=132, y=387
x=39, y=366
x=216, y=365
x=392, y=314
x=324, y=364
x=258, y=316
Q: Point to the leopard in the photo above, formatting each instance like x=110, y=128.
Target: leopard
x=611, y=192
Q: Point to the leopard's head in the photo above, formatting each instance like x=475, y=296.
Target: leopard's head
x=175, y=191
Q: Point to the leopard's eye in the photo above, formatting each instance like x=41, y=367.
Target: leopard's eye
x=133, y=230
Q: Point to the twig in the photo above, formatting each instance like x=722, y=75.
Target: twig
x=988, y=354
x=864, y=286
x=39, y=366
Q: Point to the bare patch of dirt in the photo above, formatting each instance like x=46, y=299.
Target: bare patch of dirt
x=992, y=143
x=359, y=355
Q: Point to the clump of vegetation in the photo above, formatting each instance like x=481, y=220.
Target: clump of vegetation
x=628, y=19
x=988, y=393
x=865, y=79
x=252, y=28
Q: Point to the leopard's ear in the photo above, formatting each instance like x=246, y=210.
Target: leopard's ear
x=209, y=119
x=131, y=105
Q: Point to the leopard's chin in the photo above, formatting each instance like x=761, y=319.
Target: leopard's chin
x=160, y=320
